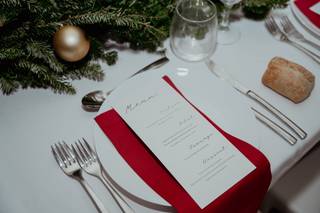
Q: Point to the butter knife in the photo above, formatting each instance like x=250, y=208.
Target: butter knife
x=275, y=127
x=250, y=93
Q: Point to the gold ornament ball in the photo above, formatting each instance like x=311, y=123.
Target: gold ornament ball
x=70, y=43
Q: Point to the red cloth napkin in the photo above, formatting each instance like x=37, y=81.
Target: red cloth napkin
x=244, y=197
x=304, y=7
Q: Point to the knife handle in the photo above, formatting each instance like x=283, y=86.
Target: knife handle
x=292, y=125
x=275, y=127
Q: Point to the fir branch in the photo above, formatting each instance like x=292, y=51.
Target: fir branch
x=3, y=20
x=9, y=3
x=15, y=37
x=39, y=76
x=26, y=65
x=8, y=86
x=259, y=9
x=264, y=3
x=55, y=84
x=98, y=52
x=111, y=16
x=43, y=30
x=43, y=51
x=27, y=57
x=72, y=7
x=109, y=57
x=10, y=53
x=62, y=87
x=90, y=71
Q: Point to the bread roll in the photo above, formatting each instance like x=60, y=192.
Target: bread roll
x=288, y=79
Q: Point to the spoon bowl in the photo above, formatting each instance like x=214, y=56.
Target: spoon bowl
x=93, y=100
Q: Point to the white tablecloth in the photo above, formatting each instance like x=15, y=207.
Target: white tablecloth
x=32, y=120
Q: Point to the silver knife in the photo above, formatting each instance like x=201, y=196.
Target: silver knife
x=250, y=93
x=153, y=65
x=275, y=127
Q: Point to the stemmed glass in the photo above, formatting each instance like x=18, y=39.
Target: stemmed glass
x=193, y=31
x=227, y=35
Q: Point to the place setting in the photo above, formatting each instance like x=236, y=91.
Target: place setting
x=161, y=141
x=158, y=105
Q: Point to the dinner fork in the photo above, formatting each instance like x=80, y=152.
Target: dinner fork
x=69, y=165
x=89, y=162
x=290, y=30
x=274, y=29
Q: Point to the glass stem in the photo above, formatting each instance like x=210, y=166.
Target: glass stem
x=224, y=24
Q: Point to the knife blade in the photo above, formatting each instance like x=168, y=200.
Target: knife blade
x=253, y=95
x=153, y=65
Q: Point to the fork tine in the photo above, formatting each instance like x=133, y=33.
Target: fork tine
x=81, y=153
x=268, y=24
x=87, y=144
x=69, y=152
x=88, y=147
x=93, y=153
x=269, y=27
x=60, y=152
x=87, y=153
x=78, y=155
x=284, y=21
x=274, y=24
x=286, y=24
x=57, y=156
x=87, y=150
x=64, y=151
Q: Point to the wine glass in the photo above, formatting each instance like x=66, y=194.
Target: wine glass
x=227, y=35
x=193, y=31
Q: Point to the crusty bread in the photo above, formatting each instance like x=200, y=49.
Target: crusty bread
x=288, y=79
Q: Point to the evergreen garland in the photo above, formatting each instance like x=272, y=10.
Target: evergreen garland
x=27, y=58
x=259, y=9
x=255, y=9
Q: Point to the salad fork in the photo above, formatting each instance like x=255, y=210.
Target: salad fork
x=274, y=29
x=90, y=163
x=69, y=165
x=290, y=30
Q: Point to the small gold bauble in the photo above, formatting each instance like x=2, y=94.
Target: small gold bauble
x=70, y=43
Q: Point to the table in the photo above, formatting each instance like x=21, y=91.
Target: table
x=32, y=120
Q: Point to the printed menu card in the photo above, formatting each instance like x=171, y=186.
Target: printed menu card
x=201, y=159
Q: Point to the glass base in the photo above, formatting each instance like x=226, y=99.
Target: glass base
x=228, y=36
x=190, y=54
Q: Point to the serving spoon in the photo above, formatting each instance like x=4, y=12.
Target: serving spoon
x=92, y=101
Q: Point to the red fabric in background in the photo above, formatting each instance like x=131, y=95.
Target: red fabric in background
x=304, y=7
x=244, y=197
